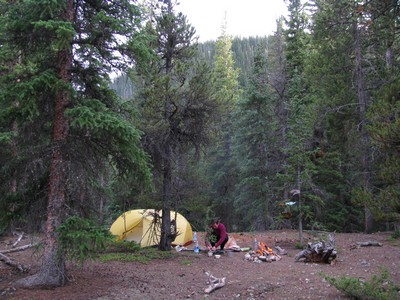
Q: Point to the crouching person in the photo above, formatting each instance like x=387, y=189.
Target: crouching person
x=216, y=236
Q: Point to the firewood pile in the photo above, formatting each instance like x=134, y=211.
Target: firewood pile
x=263, y=253
x=319, y=252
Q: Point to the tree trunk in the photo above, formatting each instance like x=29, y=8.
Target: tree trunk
x=364, y=137
x=52, y=272
x=301, y=236
x=165, y=240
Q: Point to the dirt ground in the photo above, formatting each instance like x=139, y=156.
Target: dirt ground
x=183, y=277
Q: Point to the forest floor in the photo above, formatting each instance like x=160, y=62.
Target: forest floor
x=183, y=275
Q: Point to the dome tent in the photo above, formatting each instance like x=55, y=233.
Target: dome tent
x=138, y=225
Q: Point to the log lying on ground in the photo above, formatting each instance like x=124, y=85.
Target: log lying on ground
x=12, y=263
x=19, y=248
x=369, y=243
x=365, y=244
x=318, y=252
x=214, y=283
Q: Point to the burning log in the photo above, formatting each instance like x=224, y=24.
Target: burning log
x=262, y=253
x=319, y=252
x=214, y=283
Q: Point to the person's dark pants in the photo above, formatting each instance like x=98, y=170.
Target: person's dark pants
x=223, y=243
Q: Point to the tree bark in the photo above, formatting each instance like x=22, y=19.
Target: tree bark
x=52, y=272
x=165, y=240
x=364, y=137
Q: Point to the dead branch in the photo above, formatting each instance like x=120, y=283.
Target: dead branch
x=280, y=250
x=12, y=263
x=214, y=283
x=19, y=248
x=369, y=243
x=365, y=244
x=18, y=240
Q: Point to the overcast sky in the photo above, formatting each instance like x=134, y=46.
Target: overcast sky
x=244, y=17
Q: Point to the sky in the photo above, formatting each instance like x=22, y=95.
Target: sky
x=244, y=17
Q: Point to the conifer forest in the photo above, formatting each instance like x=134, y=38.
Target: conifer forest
x=107, y=106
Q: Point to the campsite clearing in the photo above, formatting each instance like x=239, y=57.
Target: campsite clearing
x=183, y=276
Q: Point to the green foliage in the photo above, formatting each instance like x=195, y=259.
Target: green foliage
x=210, y=235
x=396, y=234
x=102, y=142
x=298, y=245
x=81, y=239
x=380, y=287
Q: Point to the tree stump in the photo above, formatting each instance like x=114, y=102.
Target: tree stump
x=318, y=252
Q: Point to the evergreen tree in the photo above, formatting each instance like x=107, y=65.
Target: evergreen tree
x=384, y=129
x=222, y=165
x=254, y=135
x=177, y=105
x=300, y=117
x=56, y=58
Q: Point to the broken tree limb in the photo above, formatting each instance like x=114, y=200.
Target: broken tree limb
x=19, y=248
x=12, y=263
x=214, y=283
x=365, y=244
x=369, y=243
x=18, y=240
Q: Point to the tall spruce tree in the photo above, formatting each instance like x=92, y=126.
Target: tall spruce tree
x=56, y=57
x=222, y=165
x=254, y=135
x=177, y=105
x=382, y=115
x=344, y=46
x=300, y=112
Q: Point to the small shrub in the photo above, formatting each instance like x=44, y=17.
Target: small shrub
x=396, y=234
x=80, y=239
x=298, y=245
x=380, y=287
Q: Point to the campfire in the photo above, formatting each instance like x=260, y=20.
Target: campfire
x=262, y=253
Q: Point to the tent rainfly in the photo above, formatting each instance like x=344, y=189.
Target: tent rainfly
x=137, y=225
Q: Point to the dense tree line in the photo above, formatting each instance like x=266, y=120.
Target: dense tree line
x=298, y=129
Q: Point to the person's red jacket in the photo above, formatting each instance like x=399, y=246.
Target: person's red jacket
x=221, y=232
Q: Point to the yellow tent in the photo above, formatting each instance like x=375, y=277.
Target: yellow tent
x=137, y=225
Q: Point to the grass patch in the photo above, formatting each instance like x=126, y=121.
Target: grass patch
x=132, y=252
x=186, y=262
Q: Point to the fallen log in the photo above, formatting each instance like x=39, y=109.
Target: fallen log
x=19, y=248
x=7, y=260
x=365, y=244
x=214, y=283
x=369, y=243
x=318, y=252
